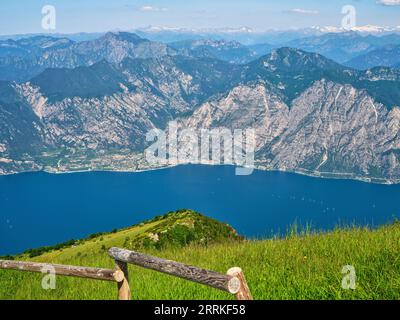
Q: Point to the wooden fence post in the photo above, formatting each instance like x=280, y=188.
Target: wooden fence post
x=243, y=293
x=124, y=292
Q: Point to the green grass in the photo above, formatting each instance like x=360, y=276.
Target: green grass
x=306, y=266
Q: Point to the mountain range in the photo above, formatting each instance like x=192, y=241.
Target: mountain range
x=88, y=105
x=22, y=58
x=230, y=51
x=388, y=56
x=346, y=46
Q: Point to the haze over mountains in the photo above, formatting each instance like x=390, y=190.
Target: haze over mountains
x=23, y=58
x=67, y=105
x=388, y=56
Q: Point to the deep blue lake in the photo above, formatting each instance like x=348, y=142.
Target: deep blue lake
x=38, y=209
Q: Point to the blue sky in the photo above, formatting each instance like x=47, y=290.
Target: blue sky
x=24, y=16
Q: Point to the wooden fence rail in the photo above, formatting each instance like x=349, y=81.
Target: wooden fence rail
x=233, y=282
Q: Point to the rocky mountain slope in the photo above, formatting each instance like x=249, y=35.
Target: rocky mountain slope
x=310, y=114
x=331, y=129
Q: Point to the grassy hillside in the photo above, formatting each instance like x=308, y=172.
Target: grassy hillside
x=301, y=266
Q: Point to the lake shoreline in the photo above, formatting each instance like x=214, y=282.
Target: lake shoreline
x=307, y=173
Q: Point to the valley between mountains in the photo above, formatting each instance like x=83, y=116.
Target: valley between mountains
x=90, y=109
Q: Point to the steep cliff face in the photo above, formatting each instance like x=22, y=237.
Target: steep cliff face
x=21, y=132
x=254, y=105
x=330, y=129
x=116, y=121
x=336, y=128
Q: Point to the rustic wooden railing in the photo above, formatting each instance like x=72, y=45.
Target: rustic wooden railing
x=233, y=282
x=71, y=271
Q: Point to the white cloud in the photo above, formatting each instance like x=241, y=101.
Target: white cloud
x=302, y=11
x=389, y=2
x=149, y=8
